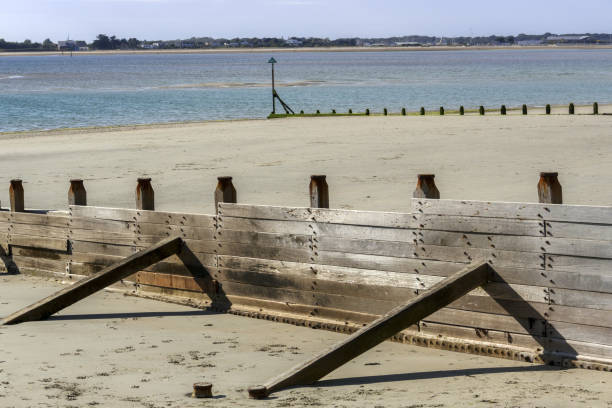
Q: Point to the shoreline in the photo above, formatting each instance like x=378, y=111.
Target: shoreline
x=534, y=111
x=305, y=49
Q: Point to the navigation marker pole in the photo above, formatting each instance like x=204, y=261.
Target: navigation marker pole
x=275, y=95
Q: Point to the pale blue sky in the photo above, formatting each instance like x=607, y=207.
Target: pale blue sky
x=171, y=19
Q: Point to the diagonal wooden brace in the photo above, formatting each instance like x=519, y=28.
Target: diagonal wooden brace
x=437, y=297
x=90, y=285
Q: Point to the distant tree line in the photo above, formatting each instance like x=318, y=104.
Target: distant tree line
x=106, y=42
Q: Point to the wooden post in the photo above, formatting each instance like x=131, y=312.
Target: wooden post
x=438, y=296
x=16, y=196
x=202, y=390
x=145, y=196
x=92, y=284
x=549, y=189
x=426, y=187
x=225, y=191
x=319, y=192
x=76, y=193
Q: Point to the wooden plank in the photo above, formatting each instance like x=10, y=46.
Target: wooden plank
x=524, y=211
x=321, y=215
x=143, y=216
x=102, y=248
x=598, y=232
x=57, y=244
x=580, y=332
x=271, y=226
x=41, y=253
x=70, y=295
x=345, y=231
x=384, y=263
x=264, y=239
x=39, y=219
x=378, y=331
x=194, y=233
x=578, y=298
x=39, y=231
x=578, y=247
x=578, y=264
x=488, y=321
x=579, y=315
x=579, y=348
x=252, y=251
x=484, y=241
x=482, y=225
x=117, y=214
x=40, y=263
x=496, y=258
x=114, y=238
x=102, y=225
x=206, y=260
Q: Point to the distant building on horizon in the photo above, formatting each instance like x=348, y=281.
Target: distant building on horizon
x=568, y=39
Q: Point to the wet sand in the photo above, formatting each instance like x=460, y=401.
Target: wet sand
x=113, y=350
x=371, y=162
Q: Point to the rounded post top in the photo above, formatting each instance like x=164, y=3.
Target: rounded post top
x=224, y=178
x=318, y=177
x=144, y=179
x=426, y=175
x=549, y=174
x=76, y=180
x=16, y=181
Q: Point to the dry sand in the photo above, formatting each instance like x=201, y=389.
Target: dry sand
x=116, y=351
x=371, y=162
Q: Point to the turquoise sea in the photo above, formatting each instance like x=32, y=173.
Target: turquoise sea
x=47, y=92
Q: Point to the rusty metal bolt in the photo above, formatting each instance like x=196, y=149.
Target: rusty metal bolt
x=202, y=390
x=426, y=187
x=77, y=195
x=549, y=189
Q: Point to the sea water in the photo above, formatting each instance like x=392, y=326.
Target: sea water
x=63, y=91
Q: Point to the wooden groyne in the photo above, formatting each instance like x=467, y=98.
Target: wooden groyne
x=550, y=298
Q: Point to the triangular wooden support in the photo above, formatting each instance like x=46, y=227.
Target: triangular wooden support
x=92, y=284
x=398, y=319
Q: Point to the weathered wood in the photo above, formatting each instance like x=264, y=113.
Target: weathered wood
x=145, y=196
x=578, y=298
x=43, y=231
x=16, y=196
x=96, y=224
x=426, y=187
x=397, y=319
x=40, y=263
x=318, y=192
x=597, y=232
x=523, y=211
x=102, y=248
x=484, y=241
x=264, y=239
x=549, y=189
x=39, y=219
x=225, y=192
x=38, y=242
x=482, y=225
x=271, y=226
x=143, y=216
x=488, y=321
x=580, y=332
x=82, y=289
x=77, y=195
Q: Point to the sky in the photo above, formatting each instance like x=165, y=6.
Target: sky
x=174, y=19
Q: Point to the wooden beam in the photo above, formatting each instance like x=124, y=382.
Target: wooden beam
x=77, y=195
x=145, y=196
x=225, y=191
x=88, y=286
x=319, y=192
x=440, y=295
x=426, y=187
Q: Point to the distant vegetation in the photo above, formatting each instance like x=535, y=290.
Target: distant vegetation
x=106, y=42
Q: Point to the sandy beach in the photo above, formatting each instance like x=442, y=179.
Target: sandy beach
x=371, y=162
x=121, y=351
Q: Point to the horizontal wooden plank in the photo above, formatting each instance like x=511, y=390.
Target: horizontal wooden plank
x=579, y=315
x=384, y=263
x=166, y=230
x=252, y=251
x=345, y=231
x=480, y=225
x=579, y=348
x=496, y=258
x=142, y=216
x=580, y=332
x=578, y=298
x=578, y=247
x=115, y=238
x=38, y=242
x=103, y=249
x=339, y=274
x=484, y=241
x=39, y=219
x=599, y=232
x=194, y=261
x=321, y=215
x=264, y=239
x=525, y=211
x=482, y=335
x=39, y=230
x=488, y=321
x=262, y=226
x=41, y=253
x=97, y=224
x=40, y=263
